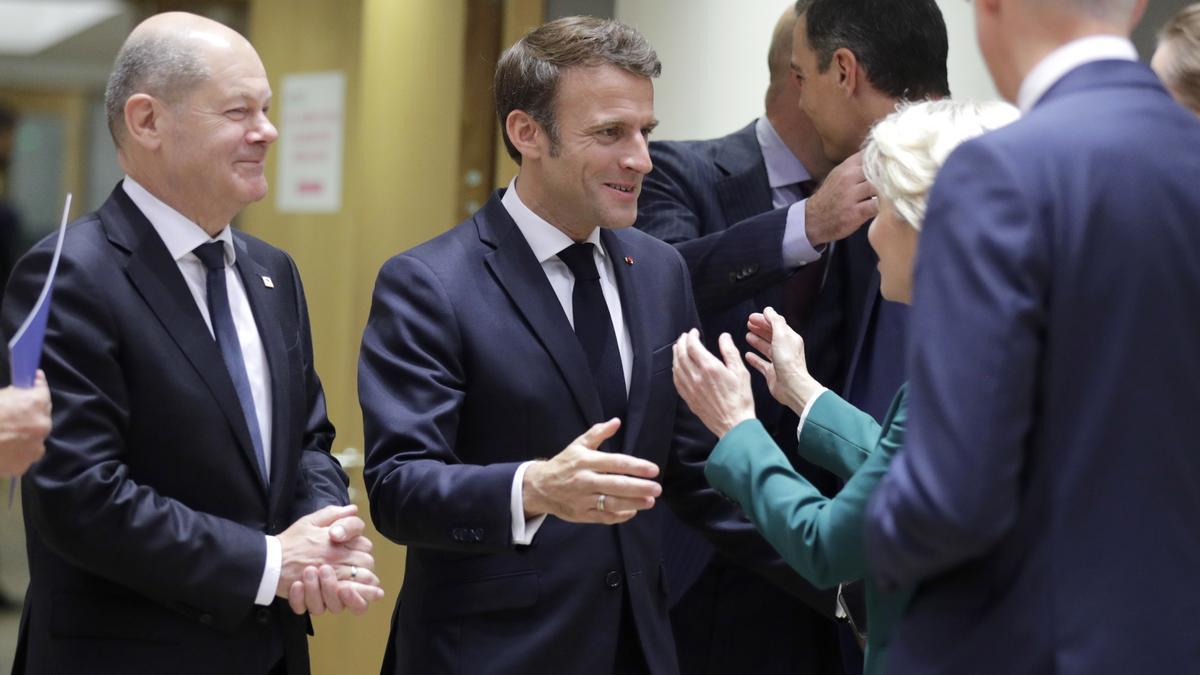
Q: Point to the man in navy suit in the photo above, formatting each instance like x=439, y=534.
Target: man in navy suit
x=1046, y=500
x=742, y=211
x=187, y=493
x=519, y=411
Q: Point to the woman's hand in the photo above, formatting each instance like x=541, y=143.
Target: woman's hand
x=784, y=366
x=718, y=393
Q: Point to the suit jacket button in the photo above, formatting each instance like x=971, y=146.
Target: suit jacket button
x=206, y=619
x=612, y=579
x=262, y=615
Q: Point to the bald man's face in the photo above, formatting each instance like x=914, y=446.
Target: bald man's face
x=219, y=133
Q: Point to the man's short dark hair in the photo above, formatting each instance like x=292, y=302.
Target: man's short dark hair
x=528, y=72
x=901, y=44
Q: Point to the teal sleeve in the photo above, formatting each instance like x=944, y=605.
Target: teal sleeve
x=836, y=436
x=819, y=537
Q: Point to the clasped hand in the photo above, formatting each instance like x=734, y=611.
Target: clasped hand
x=327, y=563
x=24, y=425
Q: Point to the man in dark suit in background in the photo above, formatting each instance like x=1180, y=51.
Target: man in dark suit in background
x=187, y=493
x=525, y=333
x=1046, y=499
x=743, y=212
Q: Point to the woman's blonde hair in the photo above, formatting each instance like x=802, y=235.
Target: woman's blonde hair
x=905, y=149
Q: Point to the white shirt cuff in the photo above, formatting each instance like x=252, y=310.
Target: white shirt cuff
x=271, y=571
x=522, y=530
x=807, y=407
x=797, y=250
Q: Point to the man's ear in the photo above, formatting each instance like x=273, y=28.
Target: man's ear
x=845, y=66
x=989, y=7
x=143, y=120
x=1138, y=11
x=526, y=135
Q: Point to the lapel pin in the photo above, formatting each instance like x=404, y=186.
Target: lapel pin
x=628, y=260
x=268, y=283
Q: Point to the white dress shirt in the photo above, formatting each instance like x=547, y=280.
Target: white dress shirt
x=1068, y=57
x=546, y=241
x=181, y=236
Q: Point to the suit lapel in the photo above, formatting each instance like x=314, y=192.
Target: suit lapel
x=262, y=305
x=156, y=277
x=636, y=311
x=521, y=276
x=744, y=191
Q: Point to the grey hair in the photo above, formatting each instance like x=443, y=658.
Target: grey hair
x=905, y=150
x=158, y=65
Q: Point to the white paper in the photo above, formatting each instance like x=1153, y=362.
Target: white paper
x=311, y=128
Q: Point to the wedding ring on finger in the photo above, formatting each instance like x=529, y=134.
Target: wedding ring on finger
x=600, y=503
x=354, y=571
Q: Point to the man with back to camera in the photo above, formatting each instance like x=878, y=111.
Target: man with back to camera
x=542, y=328
x=738, y=209
x=1045, y=500
x=187, y=496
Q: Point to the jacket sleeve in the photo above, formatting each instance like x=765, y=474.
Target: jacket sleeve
x=820, y=537
x=412, y=383
x=836, y=436
x=728, y=262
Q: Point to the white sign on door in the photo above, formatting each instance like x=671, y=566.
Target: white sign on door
x=312, y=107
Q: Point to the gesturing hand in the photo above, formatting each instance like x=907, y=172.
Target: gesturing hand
x=718, y=393
x=570, y=484
x=841, y=205
x=784, y=365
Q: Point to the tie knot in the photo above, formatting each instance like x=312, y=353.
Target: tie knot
x=211, y=254
x=580, y=260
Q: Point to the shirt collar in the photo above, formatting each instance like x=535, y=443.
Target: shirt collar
x=545, y=239
x=783, y=168
x=180, y=235
x=1068, y=57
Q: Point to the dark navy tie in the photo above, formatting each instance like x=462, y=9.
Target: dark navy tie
x=212, y=255
x=594, y=329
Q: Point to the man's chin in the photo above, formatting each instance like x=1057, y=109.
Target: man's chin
x=252, y=190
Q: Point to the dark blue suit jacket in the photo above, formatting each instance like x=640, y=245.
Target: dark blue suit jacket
x=711, y=199
x=1049, y=489
x=145, y=519
x=468, y=368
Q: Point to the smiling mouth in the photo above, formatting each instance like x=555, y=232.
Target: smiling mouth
x=627, y=189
